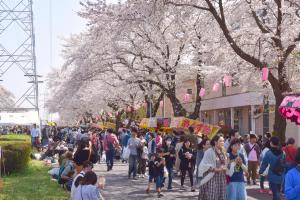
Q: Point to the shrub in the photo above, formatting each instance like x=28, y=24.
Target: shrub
x=16, y=153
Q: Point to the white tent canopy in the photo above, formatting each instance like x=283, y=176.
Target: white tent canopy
x=23, y=118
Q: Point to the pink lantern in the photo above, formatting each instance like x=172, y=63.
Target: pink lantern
x=186, y=98
x=129, y=109
x=227, y=80
x=202, y=92
x=265, y=74
x=216, y=87
x=161, y=104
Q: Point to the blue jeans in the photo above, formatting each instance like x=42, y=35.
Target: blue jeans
x=236, y=191
x=159, y=181
x=34, y=141
x=170, y=176
x=132, y=165
x=275, y=187
x=109, y=158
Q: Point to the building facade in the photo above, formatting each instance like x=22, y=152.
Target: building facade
x=246, y=109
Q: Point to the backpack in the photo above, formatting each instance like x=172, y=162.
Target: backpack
x=61, y=169
x=279, y=167
x=59, y=179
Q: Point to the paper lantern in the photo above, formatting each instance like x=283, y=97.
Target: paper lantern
x=202, y=92
x=227, y=80
x=265, y=74
x=161, y=104
x=186, y=98
x=216, y=87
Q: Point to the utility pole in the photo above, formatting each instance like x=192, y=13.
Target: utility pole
x=18, y=53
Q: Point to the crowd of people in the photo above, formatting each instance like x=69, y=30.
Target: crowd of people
x=15, y=129
x=77, y=151
x=218, y=168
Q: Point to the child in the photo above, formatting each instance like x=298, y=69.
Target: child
x=144, y=159
x=151, y=166
x=236, y=188
x=156, y=171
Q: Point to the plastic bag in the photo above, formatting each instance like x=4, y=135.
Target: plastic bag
x=103, y=158
x=166, y=173
x=265, y=173
x=126, y=153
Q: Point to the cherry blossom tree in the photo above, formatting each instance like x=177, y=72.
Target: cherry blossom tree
x=151, y=43
x=263, y=33
x=6, y=98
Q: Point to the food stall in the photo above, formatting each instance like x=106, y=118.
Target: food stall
x=179, y=123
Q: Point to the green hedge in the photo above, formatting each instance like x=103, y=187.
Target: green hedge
x=16, y=151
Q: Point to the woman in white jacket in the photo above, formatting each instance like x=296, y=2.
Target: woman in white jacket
x=213, y=168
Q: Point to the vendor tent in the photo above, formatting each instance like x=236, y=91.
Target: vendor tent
x=22, y=118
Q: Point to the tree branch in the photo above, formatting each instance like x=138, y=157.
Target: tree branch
x=186, y=4
x=251, y=59
x=291, y=48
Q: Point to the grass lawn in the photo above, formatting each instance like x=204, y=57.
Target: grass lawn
x=12, y=139
x=33, y=183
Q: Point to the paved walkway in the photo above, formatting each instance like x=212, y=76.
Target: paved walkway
x=118, y=187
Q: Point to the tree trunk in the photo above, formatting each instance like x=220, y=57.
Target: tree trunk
x=130, y=116
x=178, y=109
x=279, y=124
x=118, y=120
x=148, y=107
x=279, y=87
x=157, y=104
x=154, y=106
x=197, y=107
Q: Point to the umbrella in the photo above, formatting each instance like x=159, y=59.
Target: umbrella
x=290, y=107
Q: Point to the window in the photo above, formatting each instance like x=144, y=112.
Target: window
x=189, y=91
x=235, y=80
x=236, y=119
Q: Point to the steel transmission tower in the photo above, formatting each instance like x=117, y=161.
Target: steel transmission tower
x=16, y=16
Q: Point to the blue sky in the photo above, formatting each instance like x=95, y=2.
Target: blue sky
x=65, y=21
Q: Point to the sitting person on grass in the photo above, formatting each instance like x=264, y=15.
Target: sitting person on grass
x=66, y=170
